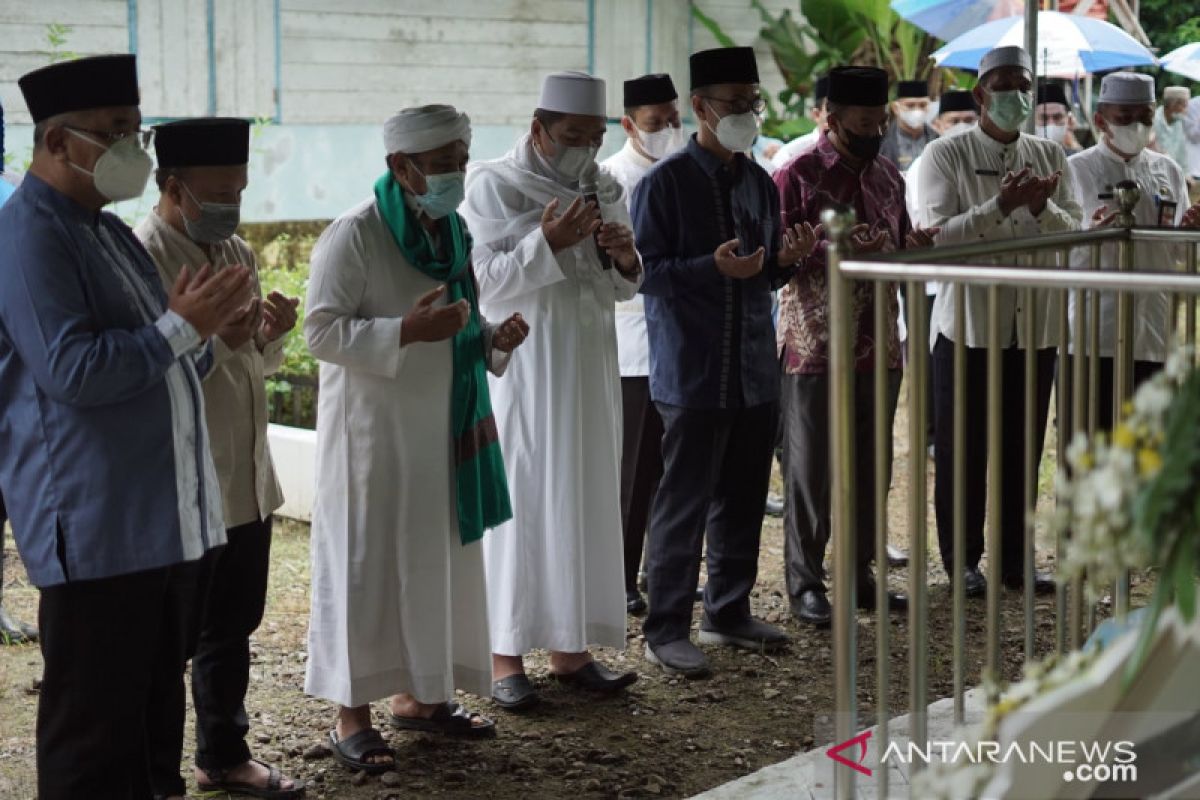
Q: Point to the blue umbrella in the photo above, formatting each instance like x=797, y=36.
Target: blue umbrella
x=946, y=19
x=1069, y=45
x=1184, y=61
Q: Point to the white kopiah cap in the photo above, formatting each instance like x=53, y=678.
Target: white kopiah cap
x=1009, y=56
x=1177, y=93
x=1127, y=89
x=573, y=93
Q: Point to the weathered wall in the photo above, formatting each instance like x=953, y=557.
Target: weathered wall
x=326, y=74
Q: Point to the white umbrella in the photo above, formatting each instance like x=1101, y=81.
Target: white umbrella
x=1068, y=45
x=1184, y=61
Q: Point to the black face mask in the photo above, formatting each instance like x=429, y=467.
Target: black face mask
x=864, y=147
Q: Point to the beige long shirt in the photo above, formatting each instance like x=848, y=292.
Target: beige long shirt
x=959, y=185
x=235, y=397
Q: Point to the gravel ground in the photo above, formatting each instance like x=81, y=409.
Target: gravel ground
x=664, y=738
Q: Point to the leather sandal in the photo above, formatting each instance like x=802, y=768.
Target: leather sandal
x=515, y=693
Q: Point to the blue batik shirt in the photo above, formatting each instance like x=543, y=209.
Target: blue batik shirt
x=712, y=340
x=104, y=454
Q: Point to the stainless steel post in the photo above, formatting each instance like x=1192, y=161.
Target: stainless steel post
x=958, y=604
x=883, y=433
x=1127, y=195
x=994, y=494
x=1029, y=490
x=918, y=606
x=842, y=455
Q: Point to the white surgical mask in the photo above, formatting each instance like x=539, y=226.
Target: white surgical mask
x=660, y=144
x=572, y=163
x=913, y=117
x=121, y=171
x=736, y=132
x=1129, y=139
x=1055, y=133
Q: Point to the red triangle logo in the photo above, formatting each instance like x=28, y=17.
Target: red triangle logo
x=835, y=752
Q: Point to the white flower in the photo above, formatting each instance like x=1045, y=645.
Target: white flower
x=1153, y=399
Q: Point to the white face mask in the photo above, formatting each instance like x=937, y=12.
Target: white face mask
x=1055, y=133
x=913, y=117
x=572, y=163
x=1129, y=139
x=957, y=128
x=736, y=132
x=660, y=144
x=121, y=171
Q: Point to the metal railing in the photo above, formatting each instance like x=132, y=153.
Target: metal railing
x=1077, y=371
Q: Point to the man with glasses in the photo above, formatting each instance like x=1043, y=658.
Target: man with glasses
x=708, y=226
x=552, y=243
x=104, y=451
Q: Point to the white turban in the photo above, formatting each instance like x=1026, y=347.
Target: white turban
x=418, y=130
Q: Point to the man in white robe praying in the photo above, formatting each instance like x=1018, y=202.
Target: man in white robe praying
x=555, y=573
x=408, y=461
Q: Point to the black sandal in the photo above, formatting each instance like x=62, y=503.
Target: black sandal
x=449, y=719
x=218, y=782
x=515, y=692
x=353, y=751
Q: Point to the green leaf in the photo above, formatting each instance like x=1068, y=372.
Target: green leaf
x=1185, y=579
x=713, y=27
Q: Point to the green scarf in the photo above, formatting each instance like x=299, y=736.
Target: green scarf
x=482, y=488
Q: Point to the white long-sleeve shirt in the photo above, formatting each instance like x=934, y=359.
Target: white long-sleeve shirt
x=959, y=189
x=1095, y=172
x=628, y=166
x=1191, y=127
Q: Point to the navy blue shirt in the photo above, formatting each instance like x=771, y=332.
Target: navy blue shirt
x=104, y=453
x=712, y=340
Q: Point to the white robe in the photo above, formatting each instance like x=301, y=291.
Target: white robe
x=628, y=166
x=555, y=573
x=398, y=602
x=1095, y=171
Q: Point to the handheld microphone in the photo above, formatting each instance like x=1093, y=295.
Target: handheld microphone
x=588, y=188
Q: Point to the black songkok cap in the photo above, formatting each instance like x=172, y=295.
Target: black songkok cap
x=723, y=65
x=1051, y=93
x=204, y=142
x=957, y=100
x=858, y=86
x=821, y=89
x=86, y=83
x=650, y=90
x=912, y=89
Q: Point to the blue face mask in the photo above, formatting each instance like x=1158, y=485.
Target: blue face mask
x=443, y=193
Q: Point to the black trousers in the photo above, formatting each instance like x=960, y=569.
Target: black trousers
x=641, y=470
x=717, y=466
x=113, y=652
x=1013, y=473
x=1142, y=372
x=221, y=666
x=806, y=517
x=3, y=521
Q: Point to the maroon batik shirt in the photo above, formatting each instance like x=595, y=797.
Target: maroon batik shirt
x=808, y=185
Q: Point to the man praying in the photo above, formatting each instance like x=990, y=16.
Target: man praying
x=202, y=169
x=553, y=244
x=708, y=225
x=409, y=469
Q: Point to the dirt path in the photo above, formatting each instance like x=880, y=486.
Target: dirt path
x=665, y=738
